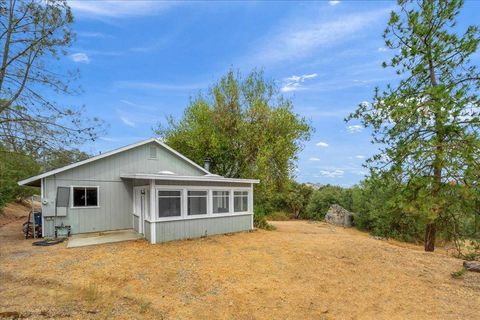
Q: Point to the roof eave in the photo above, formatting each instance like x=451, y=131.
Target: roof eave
x=107, y=154
x=186, y=178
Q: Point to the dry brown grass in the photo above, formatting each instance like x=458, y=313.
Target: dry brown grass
x=301, y=271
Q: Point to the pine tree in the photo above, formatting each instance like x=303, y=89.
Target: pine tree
x=428, y=123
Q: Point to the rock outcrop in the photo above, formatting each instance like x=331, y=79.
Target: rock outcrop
x=339, y=216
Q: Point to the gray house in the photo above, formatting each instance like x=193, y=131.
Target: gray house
x=148, y=187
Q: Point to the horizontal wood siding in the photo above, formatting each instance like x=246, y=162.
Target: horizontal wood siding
x=195, y=228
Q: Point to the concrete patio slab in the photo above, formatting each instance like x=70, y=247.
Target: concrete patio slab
x=90, y=239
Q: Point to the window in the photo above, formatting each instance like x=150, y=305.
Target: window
x=197, y=202
x=85, y=197
x=221, y=201
x=240, y=201
x=169, y=203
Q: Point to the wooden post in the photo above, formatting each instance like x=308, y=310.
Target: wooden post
x=152, y=213
x=33, y=218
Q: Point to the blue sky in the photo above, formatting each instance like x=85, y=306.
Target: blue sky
x=142, y=60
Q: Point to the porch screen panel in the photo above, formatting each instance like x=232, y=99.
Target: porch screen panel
x=240, y=201
x=197, y=202
x=221, y=201
x=169, y=203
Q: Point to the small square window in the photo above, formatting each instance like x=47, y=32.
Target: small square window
x=85, y=197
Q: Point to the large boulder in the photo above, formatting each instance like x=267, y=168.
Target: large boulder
x=339, y=216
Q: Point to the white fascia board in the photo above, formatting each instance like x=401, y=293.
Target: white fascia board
x=185, y=178
x=107, y=154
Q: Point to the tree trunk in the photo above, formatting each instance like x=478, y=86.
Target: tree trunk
x=430, y=236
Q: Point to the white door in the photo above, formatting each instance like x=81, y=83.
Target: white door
x=141, y=206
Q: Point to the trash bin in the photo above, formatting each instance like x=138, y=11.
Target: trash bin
x=38, y=218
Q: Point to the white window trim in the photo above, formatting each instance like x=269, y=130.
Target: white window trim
x=248, y=201
x=85, y=207
x=208, y=202
x=230, y=209
x=184, y=202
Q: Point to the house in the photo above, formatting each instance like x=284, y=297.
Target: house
x=147, y=187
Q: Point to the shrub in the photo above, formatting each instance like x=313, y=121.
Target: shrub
x=278, y=216
x=260, y=220
x=323, y=198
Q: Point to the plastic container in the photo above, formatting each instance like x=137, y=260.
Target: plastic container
x=38, y=218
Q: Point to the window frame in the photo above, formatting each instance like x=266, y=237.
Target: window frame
x=242, y=196
x=72, y=206
x=229, y=202
x=182, y=205
x=184, y=202
x=207, y=204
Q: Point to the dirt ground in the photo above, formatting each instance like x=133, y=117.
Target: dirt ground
x=300, y=271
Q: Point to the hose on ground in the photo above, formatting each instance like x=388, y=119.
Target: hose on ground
x=44, y=243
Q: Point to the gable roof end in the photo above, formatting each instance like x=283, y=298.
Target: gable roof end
x=34, y=181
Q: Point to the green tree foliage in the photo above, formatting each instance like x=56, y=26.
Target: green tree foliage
x=33, y=35
x=428, y=124
x=59, y=158
x=321, y=200
x=379, y=208
x=294, y=199
x=15, y=166
x=246, y=128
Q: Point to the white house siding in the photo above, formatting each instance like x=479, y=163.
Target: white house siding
x=136, y=223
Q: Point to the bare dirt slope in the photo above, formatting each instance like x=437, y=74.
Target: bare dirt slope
x=301, y=271
x=16, y=211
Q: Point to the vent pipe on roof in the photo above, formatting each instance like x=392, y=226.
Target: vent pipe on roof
x=206, y=164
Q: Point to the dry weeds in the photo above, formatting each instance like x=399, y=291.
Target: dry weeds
x=300, y=271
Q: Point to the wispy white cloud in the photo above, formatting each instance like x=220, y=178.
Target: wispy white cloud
x=382, y=49
x=294, y=83
x=335, y=173
x=322, y=144
x=355, y=128
x=118, y=8
x=359, y=172
x=158, y=86
x=127, y=121
x=323, y=112
x=90, y=34
x=333, y=2
x=139, y=106
x=360, y=156
x=80, y=57
x=108, y=139
x=300, y=38
x=314, y=159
